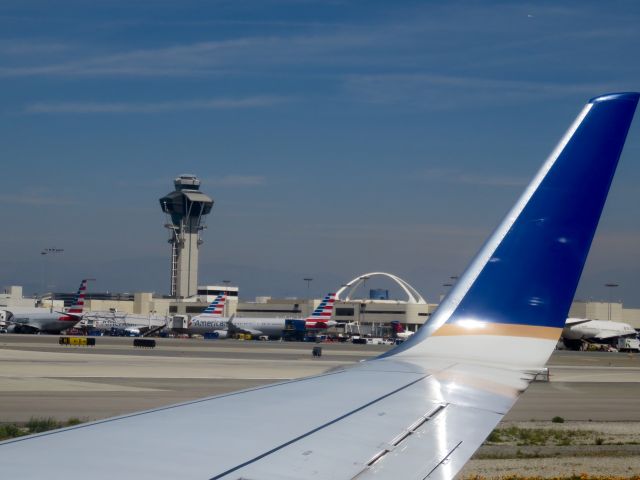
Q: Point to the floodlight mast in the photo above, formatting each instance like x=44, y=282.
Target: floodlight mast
x=186, y=208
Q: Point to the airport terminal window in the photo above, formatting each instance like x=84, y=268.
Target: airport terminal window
x=211, y=293
x=262, y=310
x=199, y=309
x=387, y=312
x=344, y=312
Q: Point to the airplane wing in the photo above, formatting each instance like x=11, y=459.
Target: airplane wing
x=572, y=322
x=420, y=410
x=607, y=336
x=79, y=316
x=232, y=328
x=32, y=327
x=251, y=331
x=235, y=328
x=377, y=418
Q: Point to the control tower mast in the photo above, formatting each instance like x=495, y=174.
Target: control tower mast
x=186, y=208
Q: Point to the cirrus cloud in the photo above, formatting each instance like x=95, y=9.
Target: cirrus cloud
x=155, y=107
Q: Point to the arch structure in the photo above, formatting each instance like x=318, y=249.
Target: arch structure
x=348, y=288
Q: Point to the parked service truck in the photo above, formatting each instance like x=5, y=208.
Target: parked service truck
x=628, y=344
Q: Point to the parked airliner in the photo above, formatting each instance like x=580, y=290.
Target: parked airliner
x=46, y=320
x=132, y=323
x=578, y=329
x=212, y=321
x=399, y=331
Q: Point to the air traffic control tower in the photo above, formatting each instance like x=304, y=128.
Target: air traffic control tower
x=186, y=208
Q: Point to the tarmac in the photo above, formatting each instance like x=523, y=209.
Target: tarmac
x=40, y=378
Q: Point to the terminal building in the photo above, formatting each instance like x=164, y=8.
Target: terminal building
x=12, y=297
x=614, y=311
x=356, y=312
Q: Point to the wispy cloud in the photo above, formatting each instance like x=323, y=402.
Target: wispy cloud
x=202, y=58
x=465, y=178
x=398, y=39
x=236, y=181
x=491, y=180
x=365, y=230
x=221, y=181
x=146, y=22
x=34, y=199
x=23, y=47
x=155, y=107
x=445, y=91
x=430, y=36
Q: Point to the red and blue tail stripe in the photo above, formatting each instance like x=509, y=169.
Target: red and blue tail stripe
x=216, y=308
x=325, y=309
x=77, y=306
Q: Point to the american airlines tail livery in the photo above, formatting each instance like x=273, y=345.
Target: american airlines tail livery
x=421, y=409
x=321, y=316
x=211, y=319
x=45, y=320
x=216, y=308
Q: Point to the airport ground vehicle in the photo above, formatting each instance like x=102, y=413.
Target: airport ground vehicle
x=628, y=344
x=124, y=332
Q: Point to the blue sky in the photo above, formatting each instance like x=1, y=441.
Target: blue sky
x=336, y=137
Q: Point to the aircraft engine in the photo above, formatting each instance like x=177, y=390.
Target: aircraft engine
x=572, y=344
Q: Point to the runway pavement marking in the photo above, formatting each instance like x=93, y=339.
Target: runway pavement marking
x=573, y=373
x=51, y=385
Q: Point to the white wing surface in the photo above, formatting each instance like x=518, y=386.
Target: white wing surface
x=379, y=418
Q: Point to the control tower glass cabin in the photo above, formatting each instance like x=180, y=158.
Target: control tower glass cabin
x=186, y=208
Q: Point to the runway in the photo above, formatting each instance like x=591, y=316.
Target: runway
x=40, y=378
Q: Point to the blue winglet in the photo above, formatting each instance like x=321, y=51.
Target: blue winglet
x=528, y=271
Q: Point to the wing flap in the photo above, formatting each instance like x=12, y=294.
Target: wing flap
x=438, y=449
x=251, y=331
x=608, y=336
x=571, y=322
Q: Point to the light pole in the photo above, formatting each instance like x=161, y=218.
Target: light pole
x=363, y=306
x=308, y=280
x=226, y=287
x=610, y=286
x=47, y=252
x=449, y=284
x=364, y=279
